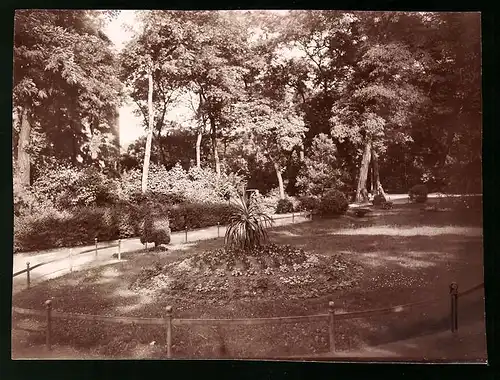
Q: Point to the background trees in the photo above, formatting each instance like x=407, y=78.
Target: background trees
x=66, y=91
x=301, y=101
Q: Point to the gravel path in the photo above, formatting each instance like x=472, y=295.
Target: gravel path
x=80, y=261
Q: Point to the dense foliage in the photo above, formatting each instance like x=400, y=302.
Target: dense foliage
x=51, y=228
x=284, y=206
x=291, y=103
x=155, y=231
x=332, y=203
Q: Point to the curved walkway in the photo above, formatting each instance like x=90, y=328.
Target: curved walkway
x=105, y=256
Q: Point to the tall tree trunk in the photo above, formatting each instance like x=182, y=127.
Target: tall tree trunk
x=198, y=148
x=23, y=156
x=147, y=153
x=277, y=168
x=379, y=190
x=363, y=172
x=213, y=134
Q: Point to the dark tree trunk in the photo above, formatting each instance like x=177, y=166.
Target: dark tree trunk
x=363, y=173
x=162, y=150
x=23, y=156
x=277, y=168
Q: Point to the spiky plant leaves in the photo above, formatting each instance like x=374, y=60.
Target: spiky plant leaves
x=247, y=226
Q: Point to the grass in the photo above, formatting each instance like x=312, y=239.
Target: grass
x=398, y=268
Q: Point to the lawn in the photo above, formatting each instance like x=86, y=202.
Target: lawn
x=407, y=255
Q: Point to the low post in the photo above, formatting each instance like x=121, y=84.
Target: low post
x=331, y=327
x=169, y=331
x=71, y=259
x=28, y=276
x=293, y=217
x=95, y=241
x=48, y=306
x=186, y=229
x=119, y=249
x=146, y=245
x=311, y=214
x=218, y=232
x=454, y=306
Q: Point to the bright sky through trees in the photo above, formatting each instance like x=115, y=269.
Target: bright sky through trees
x=120, y=31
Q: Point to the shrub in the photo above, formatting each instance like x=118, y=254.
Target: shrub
x=284, y=206
x=52, y=228
x=269, y=202
x=333, y=203
x=307, y=203
x=198, y=215
x=321, y=168
x=68, y=186
x=155, y=231
x=246, y=228
x=418, y=193
x=195, y=186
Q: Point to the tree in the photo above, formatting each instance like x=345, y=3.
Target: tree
x=152, y=57
x=271, y=131
x=216, y=43
x=386, y=94
x=65, y=87
x=320, y=169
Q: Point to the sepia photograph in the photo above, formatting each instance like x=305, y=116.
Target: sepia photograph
x=278, y=185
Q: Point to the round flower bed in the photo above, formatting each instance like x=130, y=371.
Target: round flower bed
x=270, y=271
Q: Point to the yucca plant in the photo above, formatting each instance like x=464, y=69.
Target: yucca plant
x=247, y=225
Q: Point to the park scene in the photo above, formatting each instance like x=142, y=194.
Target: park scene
x=261, y=185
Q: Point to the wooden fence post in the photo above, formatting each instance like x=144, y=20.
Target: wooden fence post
x=119, y=249
x=48, y=305
x=28, y=276
x=454, y=306
x=331, y=327
x=186, y=229
x=71, y=259
x=169, y=331
x=95, y=240
x=218, y=232
x=293, y=217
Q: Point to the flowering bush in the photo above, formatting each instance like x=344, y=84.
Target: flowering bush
x=66, y=186
x=196, y=185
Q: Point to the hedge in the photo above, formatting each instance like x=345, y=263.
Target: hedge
x=79, y=226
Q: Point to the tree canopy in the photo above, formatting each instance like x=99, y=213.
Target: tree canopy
x=302, y=100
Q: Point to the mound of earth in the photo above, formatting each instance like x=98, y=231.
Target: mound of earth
x=270, y=271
